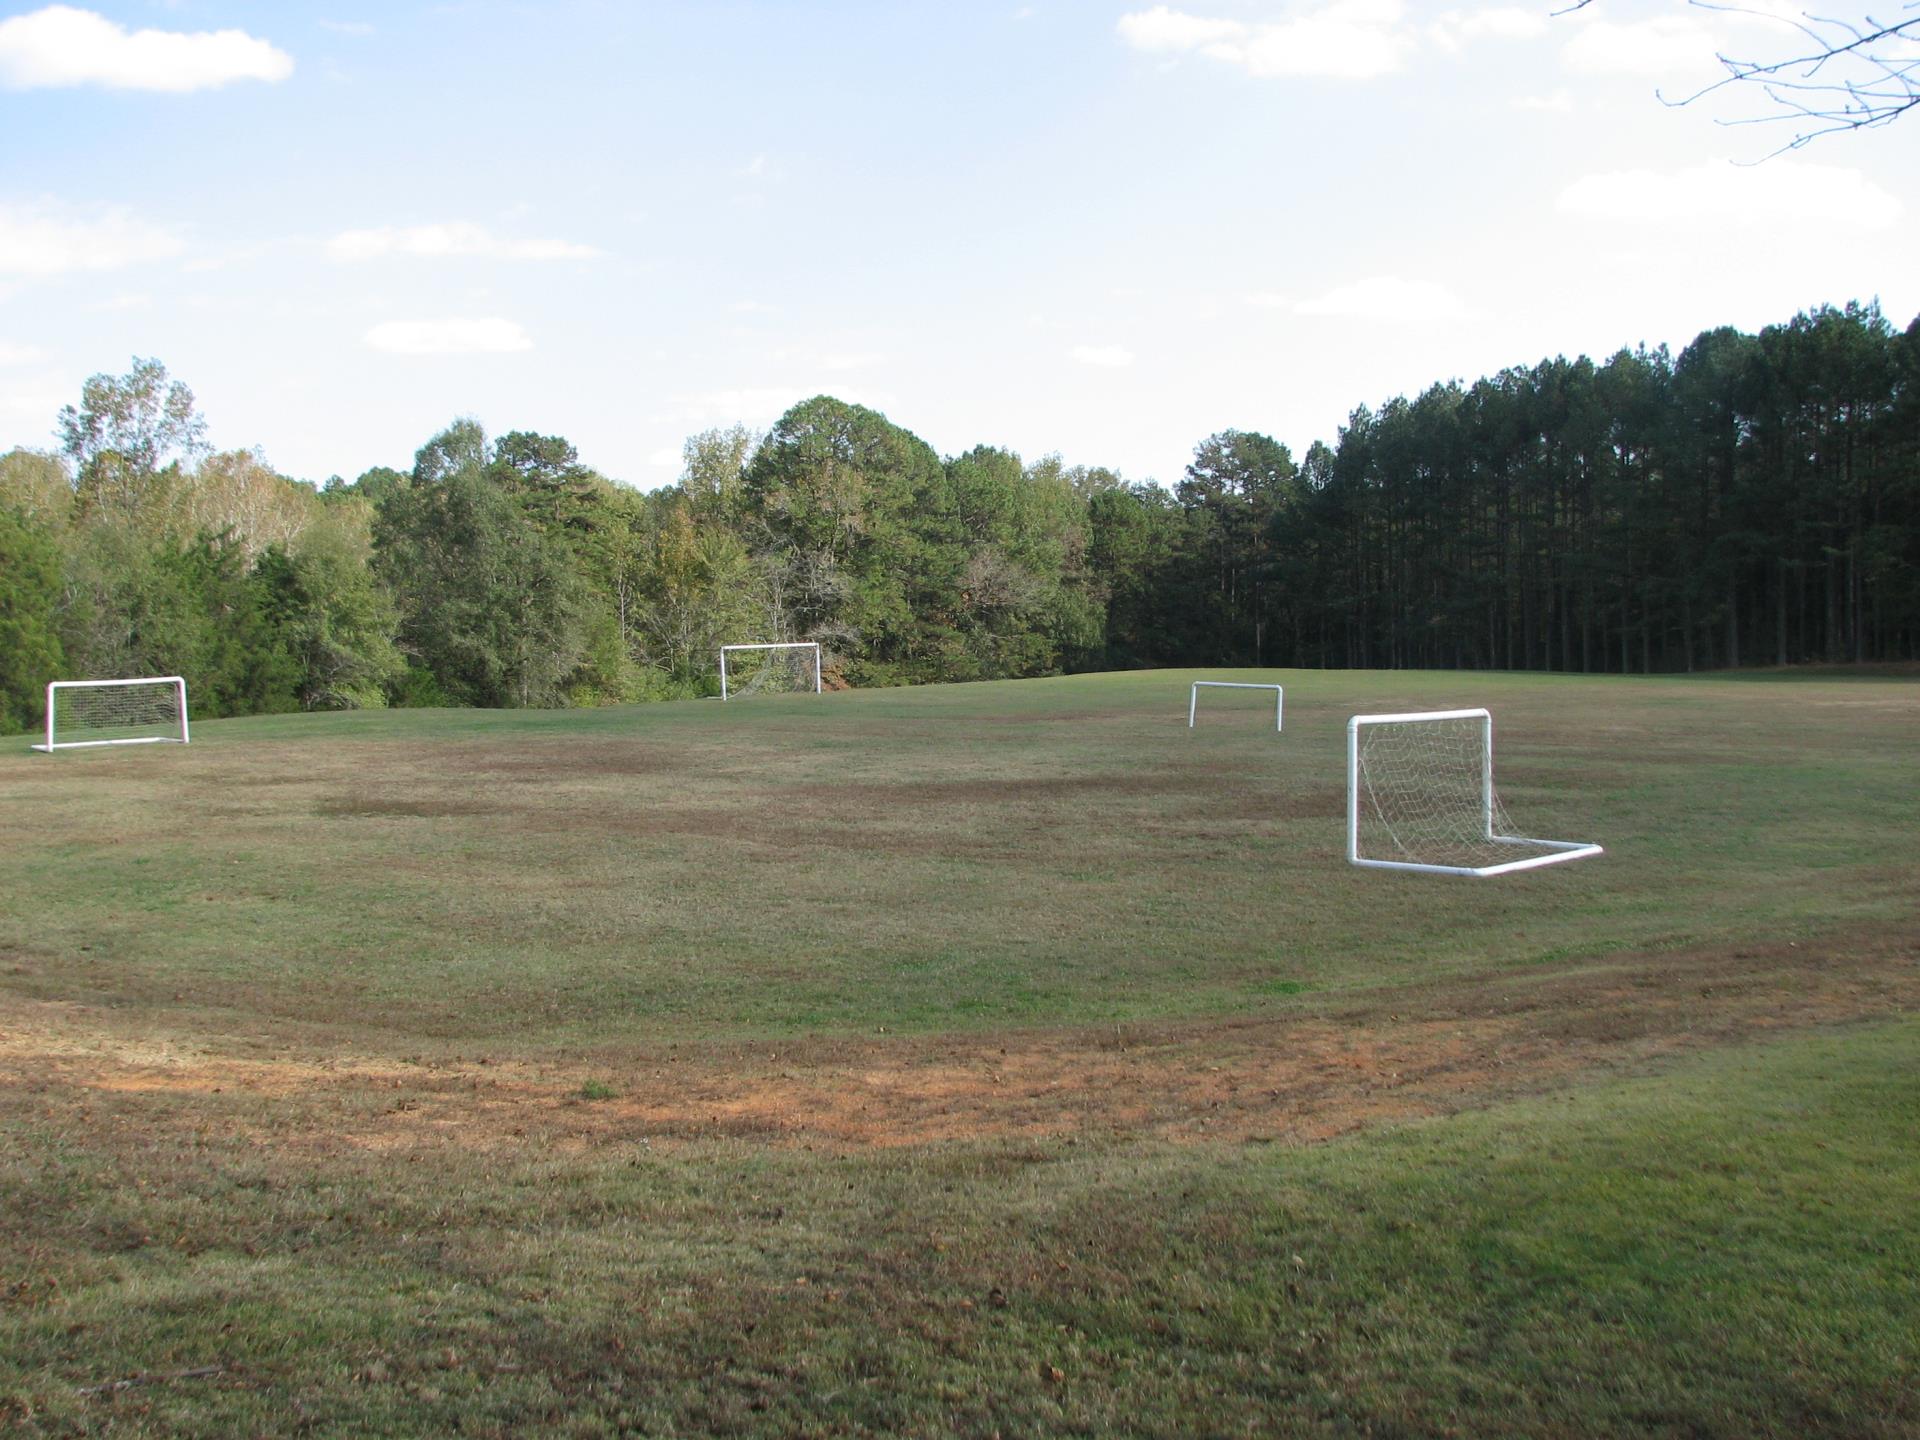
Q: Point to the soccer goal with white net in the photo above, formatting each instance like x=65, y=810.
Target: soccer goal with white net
x=81, y=713
x=1193, y=699
x=769, y=669
x=1420, y=796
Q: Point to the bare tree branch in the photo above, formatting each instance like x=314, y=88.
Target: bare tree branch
x=1842, y=75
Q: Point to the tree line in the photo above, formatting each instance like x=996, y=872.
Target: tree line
x=1755, y=500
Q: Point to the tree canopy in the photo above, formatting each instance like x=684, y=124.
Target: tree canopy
x=1754, y=499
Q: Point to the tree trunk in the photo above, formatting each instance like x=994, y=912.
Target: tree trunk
x=1733, y=622
x=1780, y=615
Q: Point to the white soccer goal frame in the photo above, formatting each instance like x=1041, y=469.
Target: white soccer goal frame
x=1279, y=697
x=53, y=695
x=1557, y=850
x=813, y=645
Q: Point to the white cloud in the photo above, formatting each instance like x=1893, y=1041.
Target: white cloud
x=1669, y=46
x=1560, y=102
x=1344, y=39
x=49, y=238
x=1782, y=191
x=1109, y=357
x=27, y=403
x=1347, y=40
x=486, y=336
x=456, y=237
x=1456, y=27
x=356, y=28
x=1268, y=299
x=753, y=405
x=1387, y=297
x=60, y=46
x=809, y=359
x=759, y=406
x=220, y=260
x=1661, y=45
x=667, y=457
x=1340, y=39
x=11, y=354
x=1165, y=30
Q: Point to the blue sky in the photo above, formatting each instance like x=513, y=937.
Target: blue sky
x=1106, y=230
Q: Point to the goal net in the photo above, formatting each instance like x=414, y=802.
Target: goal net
x=1420, y=796
x=1193, y=697
x=115, y=712
x=769, y=669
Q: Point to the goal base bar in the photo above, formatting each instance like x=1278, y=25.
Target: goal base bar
x=96, y=744
x=1561, y=850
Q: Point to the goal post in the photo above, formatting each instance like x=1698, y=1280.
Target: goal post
x=1193, y=698
x=144, y=711
x=793, y=665
x=1420, y=796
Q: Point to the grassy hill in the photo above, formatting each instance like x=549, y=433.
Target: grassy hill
x=960, y=1059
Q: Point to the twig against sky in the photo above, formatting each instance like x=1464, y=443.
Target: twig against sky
x=1844, y=74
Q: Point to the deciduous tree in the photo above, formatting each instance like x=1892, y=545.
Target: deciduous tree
x=128, y=430
x=30, y=651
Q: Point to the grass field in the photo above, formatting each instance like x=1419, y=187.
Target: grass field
x=1001, y=1058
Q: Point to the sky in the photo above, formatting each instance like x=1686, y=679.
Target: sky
x=1102, y=230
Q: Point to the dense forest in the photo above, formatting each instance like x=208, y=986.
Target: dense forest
x=1755, y=500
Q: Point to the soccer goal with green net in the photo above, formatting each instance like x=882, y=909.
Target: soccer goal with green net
x=760, y=669
x=144, y=711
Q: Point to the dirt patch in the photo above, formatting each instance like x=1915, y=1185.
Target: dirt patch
x=988, y=790
x=904, y=831
x=1411, y=1051
x=803, y=836
x=996, y=719
x=390, y=806
x=1295, y=802
x=629, y=756
x=1901, y=706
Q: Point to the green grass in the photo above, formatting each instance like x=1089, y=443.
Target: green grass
x=1051, y=852
x=255, y=1176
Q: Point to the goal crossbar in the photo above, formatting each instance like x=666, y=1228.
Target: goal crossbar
x=1193, y=699
x=1552, y=852
x=118, y=707
x=726, y=650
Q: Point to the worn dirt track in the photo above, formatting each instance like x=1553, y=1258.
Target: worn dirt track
x=1321, y=1070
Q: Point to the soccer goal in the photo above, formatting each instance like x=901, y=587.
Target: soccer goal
x=1193, y=700
x=1420, y=796
x=754, y=669
x=115, y=712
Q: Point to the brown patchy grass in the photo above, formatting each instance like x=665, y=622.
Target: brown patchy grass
x=1391, y=1054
